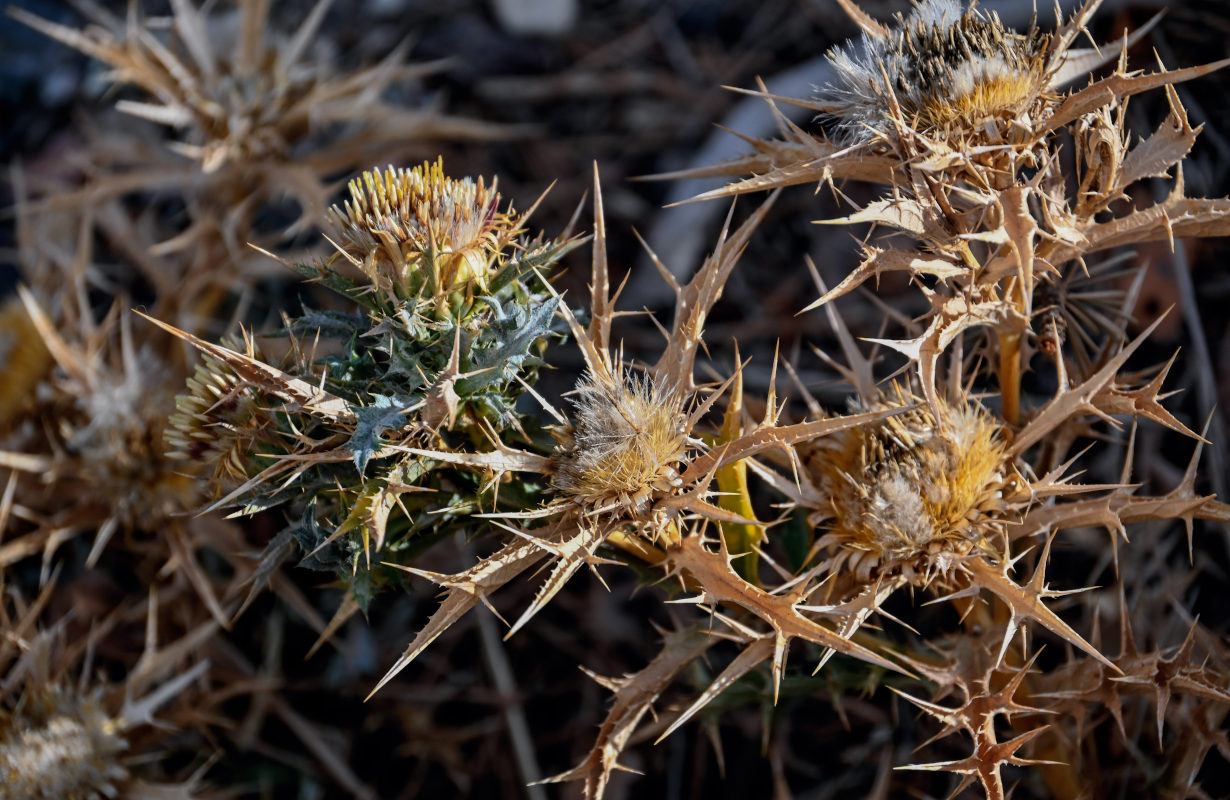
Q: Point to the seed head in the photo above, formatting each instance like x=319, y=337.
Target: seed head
x=911, y=493
x=59, y=745
x=947, y=70
x=417, y=231
x=626, y=443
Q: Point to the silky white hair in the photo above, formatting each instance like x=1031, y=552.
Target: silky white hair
x=858, y=98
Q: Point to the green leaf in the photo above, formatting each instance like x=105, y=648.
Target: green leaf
x=514, y=334
x=329, y=324
x=309, y=535
x=360, y=294
x=363, y=588
x=384, y=413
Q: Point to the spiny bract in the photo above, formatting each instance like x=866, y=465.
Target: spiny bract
x=220, y=421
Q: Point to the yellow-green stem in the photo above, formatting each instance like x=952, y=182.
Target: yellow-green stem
x=741, y=539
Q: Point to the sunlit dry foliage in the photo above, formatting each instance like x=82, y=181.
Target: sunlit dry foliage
x=931, y=536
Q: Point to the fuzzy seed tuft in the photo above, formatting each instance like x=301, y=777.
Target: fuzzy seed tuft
x=64, y=748
x=946, y=69
x=626, y=443
x=909, y=493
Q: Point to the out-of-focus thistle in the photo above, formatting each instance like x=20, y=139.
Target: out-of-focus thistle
x=71, y=739
x=90, y=428
x=454, y=314
x=71, y=752
x=86, y=455
x=24, y=360
x=258, y=116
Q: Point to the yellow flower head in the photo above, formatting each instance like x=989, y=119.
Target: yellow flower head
x=417, y=231
x=910, y=493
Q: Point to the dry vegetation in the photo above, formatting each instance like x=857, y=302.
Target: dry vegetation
x=945, y=529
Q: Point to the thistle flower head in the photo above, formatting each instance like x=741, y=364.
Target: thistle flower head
x=912, y=493
x=218, y=421
x=59, y=744
x=418, y=231
x=945, y=69
x=627, y=440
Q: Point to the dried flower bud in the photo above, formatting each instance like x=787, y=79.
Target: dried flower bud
x=218, y=421
x=416, y=231
x=911, y=492
x=943, y=67
x=627, y=441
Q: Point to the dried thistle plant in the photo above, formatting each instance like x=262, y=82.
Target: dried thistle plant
x=222, y=421
x=75, y=737
x=84, y=440
x=404, y=418
x=988, y=200
x=963, y=121
x=87, y=457
x=630, y=470
x=96, y=427
x=625, y=446
x=926, y=489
